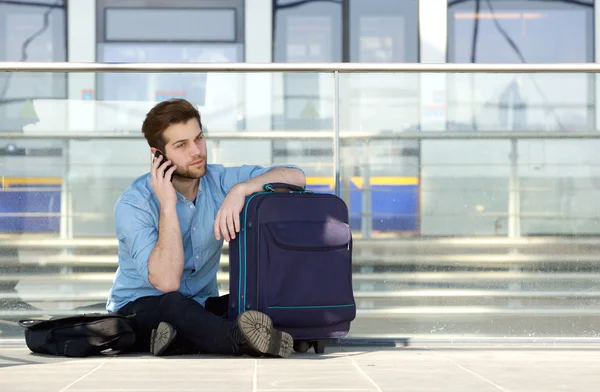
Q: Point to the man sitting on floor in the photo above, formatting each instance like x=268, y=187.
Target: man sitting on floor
x=170, y=224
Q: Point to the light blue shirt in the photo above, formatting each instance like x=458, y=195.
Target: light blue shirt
x=136, y=223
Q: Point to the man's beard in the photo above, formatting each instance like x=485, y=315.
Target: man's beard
x=192, y=173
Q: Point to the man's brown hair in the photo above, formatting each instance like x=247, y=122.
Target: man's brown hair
x=164, y=114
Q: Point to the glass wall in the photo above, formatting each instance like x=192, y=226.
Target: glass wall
x=62, y=257
x=453, y=238
x=506, y=31
x=29, y=31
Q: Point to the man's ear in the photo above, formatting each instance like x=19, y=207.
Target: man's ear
x=153, y=151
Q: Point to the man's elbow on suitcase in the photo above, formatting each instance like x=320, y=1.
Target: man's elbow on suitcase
x=163, y=282
x=285, y=174
x=164, y=285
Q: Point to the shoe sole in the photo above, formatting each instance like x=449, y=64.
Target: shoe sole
x=259, y=333
x=161, y=338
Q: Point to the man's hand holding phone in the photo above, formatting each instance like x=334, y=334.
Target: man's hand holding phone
x=161, y=182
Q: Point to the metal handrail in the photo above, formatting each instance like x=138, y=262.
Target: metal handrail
x=479, y=259
x=392, y=295
x=34, y=242
x=391, y=278
x=317, y=135
x=297, y=67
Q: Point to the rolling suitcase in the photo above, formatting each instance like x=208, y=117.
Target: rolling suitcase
x=292, y=260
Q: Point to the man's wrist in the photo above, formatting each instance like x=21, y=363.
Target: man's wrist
x=247, y=188
x=168, y=209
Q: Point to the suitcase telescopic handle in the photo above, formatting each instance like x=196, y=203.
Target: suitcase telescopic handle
x=272, y=186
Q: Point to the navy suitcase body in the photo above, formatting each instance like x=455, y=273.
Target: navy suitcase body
x=292, y=260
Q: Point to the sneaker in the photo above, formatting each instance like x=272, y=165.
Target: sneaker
x=255, y=330
x=161, y=338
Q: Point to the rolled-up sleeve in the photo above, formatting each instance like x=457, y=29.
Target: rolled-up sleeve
x=137, y=231
x=237, y=174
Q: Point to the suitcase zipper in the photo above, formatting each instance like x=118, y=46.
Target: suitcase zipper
x=242, y=297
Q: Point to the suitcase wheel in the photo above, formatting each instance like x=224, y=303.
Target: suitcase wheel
x=319, y=346
x=301, y=346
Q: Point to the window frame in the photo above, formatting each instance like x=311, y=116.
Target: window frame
x=236, y=5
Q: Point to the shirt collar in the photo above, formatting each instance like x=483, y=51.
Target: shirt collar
x=182, y=198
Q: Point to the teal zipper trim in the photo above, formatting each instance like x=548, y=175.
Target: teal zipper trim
x=240, y=307
x=312, y=307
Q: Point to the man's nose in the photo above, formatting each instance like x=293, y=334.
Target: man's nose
x=196, y=150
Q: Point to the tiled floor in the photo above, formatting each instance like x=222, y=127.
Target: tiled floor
x=533, y=367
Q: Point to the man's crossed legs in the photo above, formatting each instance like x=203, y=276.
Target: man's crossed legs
x=172, y=322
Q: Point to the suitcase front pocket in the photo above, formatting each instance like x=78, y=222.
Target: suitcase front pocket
x=309, y=273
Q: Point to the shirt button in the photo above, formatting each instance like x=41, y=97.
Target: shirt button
x=191, y=206
x=193, y=229
x=197, y=257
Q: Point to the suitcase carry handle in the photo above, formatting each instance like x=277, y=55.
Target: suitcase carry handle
x=271, y=187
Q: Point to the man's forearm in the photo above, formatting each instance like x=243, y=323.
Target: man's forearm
x=288, y=175
x=165, y=265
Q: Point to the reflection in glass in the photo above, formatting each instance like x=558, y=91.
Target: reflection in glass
x=30, y=170
x=25, y=36
x=381, y=176
x=521, y=32
x=383, y=31
x=559, y=185
x=200, y=88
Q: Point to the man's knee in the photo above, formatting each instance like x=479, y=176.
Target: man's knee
x=172, y=307
x=171, y=299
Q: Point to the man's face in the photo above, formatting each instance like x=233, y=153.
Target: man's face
x=185, y=146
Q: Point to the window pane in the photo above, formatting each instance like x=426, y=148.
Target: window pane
x=542, y=31
x=513, y=32
x=384, y=31
x=309, y=32
x=170, y=24
x=559, y=187
x=18, y=24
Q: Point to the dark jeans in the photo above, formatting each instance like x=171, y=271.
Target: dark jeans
x=199, y=328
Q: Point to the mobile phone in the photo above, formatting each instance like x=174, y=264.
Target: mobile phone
x=159, y=154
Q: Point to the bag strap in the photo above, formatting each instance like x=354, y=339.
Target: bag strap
x=86, y=346
x=70, y=320
x=79, y=349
